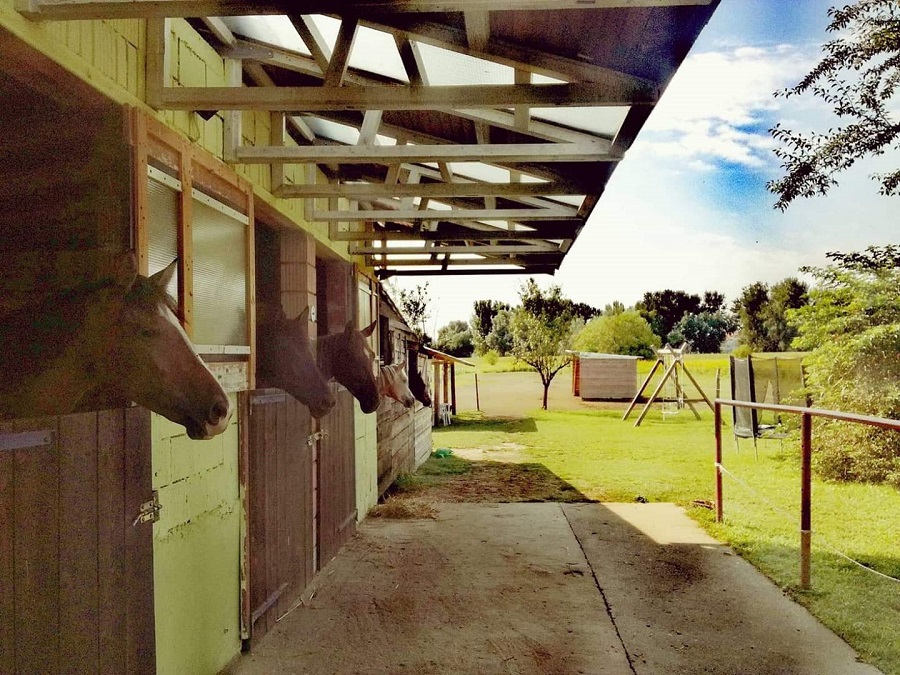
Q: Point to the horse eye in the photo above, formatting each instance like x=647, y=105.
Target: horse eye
x=147, y=333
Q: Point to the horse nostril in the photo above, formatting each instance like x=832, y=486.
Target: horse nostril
x=219, y=410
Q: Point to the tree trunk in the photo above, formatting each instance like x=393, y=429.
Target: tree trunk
x=546, y=391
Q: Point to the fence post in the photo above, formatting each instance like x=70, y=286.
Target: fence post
x=805, y=498
x=717, y=411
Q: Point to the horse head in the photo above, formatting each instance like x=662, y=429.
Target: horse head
x=154, y=364
x=394, y=382
x=347, y=358
x=286, y=361
x=417, y=384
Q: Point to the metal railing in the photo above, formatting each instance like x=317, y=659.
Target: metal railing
x=806, y=415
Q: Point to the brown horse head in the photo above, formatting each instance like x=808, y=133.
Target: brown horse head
x=286, y=361
x=394, y=383
x=417, y=384
x=347, y=358
x=153, y=363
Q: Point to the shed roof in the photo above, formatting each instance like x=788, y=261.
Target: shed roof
x=465, y=136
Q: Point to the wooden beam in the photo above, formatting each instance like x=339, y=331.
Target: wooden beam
x=543, y=258
x=382, y=97
x=447, y=214
x=218, y=28
x=156, y=67
x=391, y=154
x=369, y=129
x=523, y=268
x=364, y=191
x=132, y=9
x=478, y=28
x=412, y=61
x=340, y=57
x=313, y=40
x=513, y=249
x=557, y=231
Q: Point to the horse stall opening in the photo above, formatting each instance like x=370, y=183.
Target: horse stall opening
x=76, y=565
x=281, y=458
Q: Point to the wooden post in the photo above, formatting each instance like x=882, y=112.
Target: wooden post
x=805, y=498
x=453, y=387
x=718, y=422
x=446, y=382
x=436, y=402
x=477, y=401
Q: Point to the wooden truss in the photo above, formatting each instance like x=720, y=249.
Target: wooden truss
x=397, y=194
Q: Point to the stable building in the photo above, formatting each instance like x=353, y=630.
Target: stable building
x=294, y=158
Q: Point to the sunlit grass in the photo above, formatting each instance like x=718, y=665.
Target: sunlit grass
x=671, y=459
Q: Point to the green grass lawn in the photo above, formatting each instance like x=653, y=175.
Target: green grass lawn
x=672, y=460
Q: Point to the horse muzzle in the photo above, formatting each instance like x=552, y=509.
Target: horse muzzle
x=216, y=422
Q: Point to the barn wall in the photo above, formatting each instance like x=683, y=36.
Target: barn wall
x=366, y=461
x=196, y=549
x=111, y=56
x=396, y=442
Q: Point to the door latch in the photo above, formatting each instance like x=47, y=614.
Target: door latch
x=149, y=512
x=319, y=435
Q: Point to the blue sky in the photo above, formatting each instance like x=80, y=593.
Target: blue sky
x=687, y=209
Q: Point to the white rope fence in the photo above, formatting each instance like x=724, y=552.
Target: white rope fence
x=820, y=540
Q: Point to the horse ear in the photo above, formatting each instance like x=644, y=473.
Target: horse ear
x=162, y=278
x=366, y=332
x=303, y=316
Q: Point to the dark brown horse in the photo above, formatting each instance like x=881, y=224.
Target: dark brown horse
x=347, y=358
x=119, y=335
x=285, y=360
x=417, y=384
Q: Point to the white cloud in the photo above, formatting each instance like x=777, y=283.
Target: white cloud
x=720, y=103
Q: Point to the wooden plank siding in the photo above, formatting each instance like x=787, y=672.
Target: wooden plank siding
x=280, y=505
x=76, y=576
x=404, y=440
x=607, y=378
x=336, y=477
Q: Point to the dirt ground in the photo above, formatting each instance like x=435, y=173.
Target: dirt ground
x=450, y=581
x=514, y=394
x=544, y=589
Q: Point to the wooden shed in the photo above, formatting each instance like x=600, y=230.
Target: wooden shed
x=604, y=377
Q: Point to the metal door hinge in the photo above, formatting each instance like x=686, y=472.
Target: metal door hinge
x=149, y=512
x=319, y=435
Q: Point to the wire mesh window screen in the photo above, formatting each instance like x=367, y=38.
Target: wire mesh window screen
x=162, y=230
x=220, y=271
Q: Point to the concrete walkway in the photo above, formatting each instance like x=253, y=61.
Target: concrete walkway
x=546, y=589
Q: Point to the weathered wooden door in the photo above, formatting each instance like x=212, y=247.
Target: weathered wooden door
x=336, y=471
x=76, y=563
x=280, y=504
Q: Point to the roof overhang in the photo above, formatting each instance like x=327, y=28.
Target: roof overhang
x=452, y=136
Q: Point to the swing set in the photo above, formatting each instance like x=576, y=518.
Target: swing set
x=670, y=389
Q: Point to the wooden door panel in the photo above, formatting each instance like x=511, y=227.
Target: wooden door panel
x=77, y=576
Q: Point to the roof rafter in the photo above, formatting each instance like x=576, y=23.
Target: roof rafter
x=129, y=9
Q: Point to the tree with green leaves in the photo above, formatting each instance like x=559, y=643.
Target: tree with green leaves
x=482, y=322
x=663, y=309
x=500, y=338
x=762, y=314
x=625, y=332
x=852, y=327
x=455, y=339
x=704, y=332
x=543, y=328
x=858, y=76
x=414, y=305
